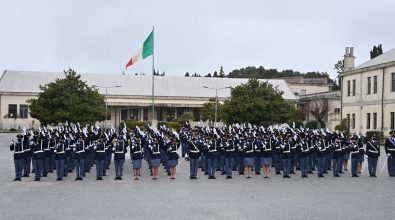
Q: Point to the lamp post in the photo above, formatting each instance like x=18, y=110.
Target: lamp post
x=106, y=87
x=216, y=99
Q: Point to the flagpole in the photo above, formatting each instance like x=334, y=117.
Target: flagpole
x=153, y=74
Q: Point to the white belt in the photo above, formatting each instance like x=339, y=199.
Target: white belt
x=19, y=152
x=194, y=151
x=173, y=151
x=230, y=150
x=390, y=149
x=373, y=151
x=101, y=151
x=81, y=151
x=36, y=152
x=60, y=152
x=250, y=151
x=119, y=152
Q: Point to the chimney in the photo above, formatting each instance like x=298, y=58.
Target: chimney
x=349, y=59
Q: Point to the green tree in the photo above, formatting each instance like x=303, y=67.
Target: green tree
x=221, y=72
x=208, y=110
x=68, y=99
x=376, y=51
x=185, y=117
x=258, y=103
x=187, y=74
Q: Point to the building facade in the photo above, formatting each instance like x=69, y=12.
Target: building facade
x=127, y=96
x=368, y=93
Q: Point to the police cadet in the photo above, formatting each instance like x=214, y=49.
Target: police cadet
x=373, y=152
x=311, y=141
x=390, y=151
x=80, y=157
x=155, y=157
x=136, y=154
x=337, y=156
x=59, y=151
x=119, y=150
x=67, y=154
x=37, y=144
x=100, y=157
x=304, y=150
x=266, y=156
x=173, y=157
x=212, y=157
x=229, y=149
x=28, y=154
x=361, y=151
x=47, y=154
x=240, y=154
x=354, y=150
x=52, y=144
x=249, y=156
x=258, y=148
x=277, y=154
x=321, y=147
x=19, y=156
x=194, y=154
x=286, y=157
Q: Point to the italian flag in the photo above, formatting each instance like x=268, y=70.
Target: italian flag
x=145, y=51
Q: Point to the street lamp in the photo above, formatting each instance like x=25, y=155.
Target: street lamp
x=216, y=100
x=106, y=87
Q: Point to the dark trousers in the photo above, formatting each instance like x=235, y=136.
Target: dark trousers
x=229, y=165
x=28, y=162
x=257, y=165
x=321, y=165
x=304, y=165
x=38, y=167
x=372, y=165
x=100, y=167
x=287, y=166
x=59, y=168
x=79, y=167
x=354, y=166
x=184, y=148
x=52, y=162
x=240, y=164
x=118, y=167
x=108, y=159
x=277, y=160
x=19, y=166
x=47, y=162
x=212, y=164
x=295, y=161
x=222, y=163
x=193, y=166
x=203, y=161
x=391, y=166
x=337, y=165
x=66, y=165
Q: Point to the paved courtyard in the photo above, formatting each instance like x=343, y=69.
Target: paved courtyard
x=238, y=198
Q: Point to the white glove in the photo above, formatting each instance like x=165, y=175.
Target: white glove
x=255, y=148
x=388, y=155
x=12, y=143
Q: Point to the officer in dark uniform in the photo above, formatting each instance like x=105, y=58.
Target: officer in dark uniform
x=47, y=154
x=173, y=157
x=19, y=156
x=194, y=154
x=59, y=158
x=304, y=150
x=277, y=155
x=229, y=149
x=100, y=156
x=212, y=157
x=286, y=157
x=119, y=150
x=354, y=149
x=337, y=156
x=155, y=157
x=136, y=154
x=321, y=148
x=373, y=152
x=390, y=151
x=37, y=144
x=80, y=157
x=28, y=154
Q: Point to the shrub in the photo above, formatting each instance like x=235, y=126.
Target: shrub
x=379, y=134
x=175, y=125
x=131, y=124
x=314, y=124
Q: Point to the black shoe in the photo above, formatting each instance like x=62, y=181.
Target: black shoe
x=25, y=175
x=311, y=172
x=355, y=175
x=297, y=168
x=223, y=173
x=210, y=177
x=325, y=172
x=228, y=177
x=50, y=171
x=288, y=176
x=189, y=178
x=214, y=177
x=16, y=179
x=374, y=175
x=37, y=179
x=97, y=178
x=278, y=173
x=45, y=175
x=77, y=179
x=257, y=173
x=293, y=172
x=320, y=175
x=336, y=175
x=341, y=172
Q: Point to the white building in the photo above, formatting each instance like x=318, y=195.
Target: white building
x=132, y=100
x=368, y=93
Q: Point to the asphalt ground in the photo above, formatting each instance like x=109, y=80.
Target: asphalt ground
x=237, y=198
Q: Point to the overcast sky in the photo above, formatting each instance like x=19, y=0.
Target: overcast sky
x=100, y=36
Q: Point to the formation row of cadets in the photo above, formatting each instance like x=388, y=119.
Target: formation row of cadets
x=80, y=150
x=304, y=151
x=285, y=152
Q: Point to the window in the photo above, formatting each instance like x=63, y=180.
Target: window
x=337, y=110
x=170, y=114
x=348, y=88
x=354, y=82
x=196, y=114
x=367, y=120
x=374, y=120
x=392, y=82
x=303, y=92
x=108, y=114
x=134, y=114
x=12, y=111
x=124, y=114
x=374, y=84
x=23, y=111
x=369, y=84
x=348, y=121
x=392, y=120
x=353, y=121
x=145, y=114
x=159, y=114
